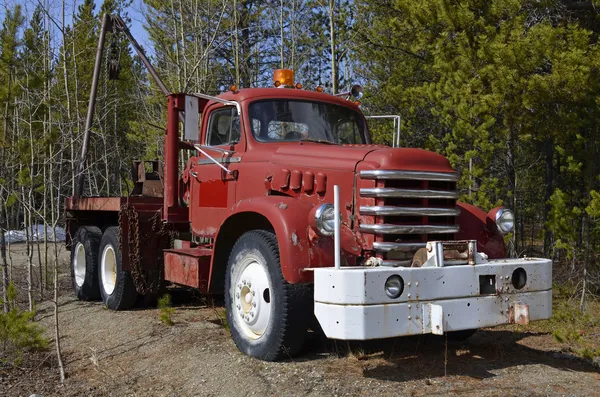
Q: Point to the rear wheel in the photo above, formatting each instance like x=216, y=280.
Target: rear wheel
x=84, y=263
x=268, y=317
x=116, y=285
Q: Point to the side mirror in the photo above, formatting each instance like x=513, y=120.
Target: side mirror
x=191, y=127
x=357, y=91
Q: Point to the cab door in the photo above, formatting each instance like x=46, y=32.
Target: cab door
x=214, y=174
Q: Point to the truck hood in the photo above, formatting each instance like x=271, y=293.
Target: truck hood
x=322, y=156
x=347, y=157
x=406, y=159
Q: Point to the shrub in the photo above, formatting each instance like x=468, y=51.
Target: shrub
x=18, y=331
x=165, y=310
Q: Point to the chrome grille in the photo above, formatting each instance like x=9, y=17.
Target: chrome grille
x=411, y=208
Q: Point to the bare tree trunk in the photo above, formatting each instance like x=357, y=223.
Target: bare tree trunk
x=183, y=50
x=68, y=98
x=29, y=248
x=334, y=72
x=3, y=217
x=549, y=149
x=45, y=215
x=56, y=323
x=512, y=178
x=282, y=36
x=585, y=263
x=3, y=253
x=293, y=34
x=236, y=55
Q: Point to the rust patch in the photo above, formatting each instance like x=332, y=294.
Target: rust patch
x=521, y=312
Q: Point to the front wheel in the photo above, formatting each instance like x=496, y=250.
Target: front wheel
x=267, y=316
x=116, y=285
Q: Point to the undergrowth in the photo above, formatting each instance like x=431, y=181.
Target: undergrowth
x=572, y=329
x=18, y=331
x=166, y=310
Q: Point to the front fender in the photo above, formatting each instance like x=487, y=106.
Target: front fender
x=474, y=225
x=289, y=218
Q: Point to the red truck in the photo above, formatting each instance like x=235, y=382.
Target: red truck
x=286, y=207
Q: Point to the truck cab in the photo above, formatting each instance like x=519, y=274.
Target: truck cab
x=277, y=198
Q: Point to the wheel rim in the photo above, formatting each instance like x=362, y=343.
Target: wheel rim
x=108, y=269
x=79, y=264
x=253, y=298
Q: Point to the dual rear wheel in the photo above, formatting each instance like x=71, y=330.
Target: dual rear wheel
x=97, y=271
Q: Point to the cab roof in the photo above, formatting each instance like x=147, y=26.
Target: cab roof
x=250, y=94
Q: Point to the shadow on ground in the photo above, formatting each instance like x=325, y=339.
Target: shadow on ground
x=429, y=356
x=414, y=357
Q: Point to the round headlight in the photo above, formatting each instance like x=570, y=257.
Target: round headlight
x=324, y=219
x=394, y=286
x=505, y=220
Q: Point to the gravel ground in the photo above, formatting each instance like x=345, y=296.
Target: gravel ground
x=133, y=354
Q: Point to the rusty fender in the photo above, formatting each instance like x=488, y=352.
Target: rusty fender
x=289, y=218
x=476, y=225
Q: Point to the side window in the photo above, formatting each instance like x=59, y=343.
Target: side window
x=223, y=127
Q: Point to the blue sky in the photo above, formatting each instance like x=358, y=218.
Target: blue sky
x=135, y=11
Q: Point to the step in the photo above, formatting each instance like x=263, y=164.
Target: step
x=188, y=266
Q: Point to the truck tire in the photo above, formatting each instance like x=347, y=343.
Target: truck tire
x=267, y=316
x=116, y=285
x=84, y=263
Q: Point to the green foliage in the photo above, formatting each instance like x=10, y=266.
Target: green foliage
x=165, y=310
x=507, y=91
x=11, y=200
x=589, y=353
x=593, y=209
x=572, y=329
x=18, y=331
x=560, y=222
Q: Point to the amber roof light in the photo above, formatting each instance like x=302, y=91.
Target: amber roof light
x=283, y=78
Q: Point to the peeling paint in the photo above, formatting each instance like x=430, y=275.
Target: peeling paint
x=283, y=206
x=294, y=239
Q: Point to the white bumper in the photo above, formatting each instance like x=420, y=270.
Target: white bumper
x=351, y=303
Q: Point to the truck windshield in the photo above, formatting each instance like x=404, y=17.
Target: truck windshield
x=293, y=120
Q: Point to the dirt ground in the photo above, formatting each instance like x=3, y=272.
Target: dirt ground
x=133, y=354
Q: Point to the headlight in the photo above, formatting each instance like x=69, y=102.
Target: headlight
x=505, y=220
x=324, y=219
x=394, y=286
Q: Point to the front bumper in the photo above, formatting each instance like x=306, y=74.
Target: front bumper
x=351, y=304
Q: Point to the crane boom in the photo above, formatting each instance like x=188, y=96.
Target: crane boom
x=110, y=23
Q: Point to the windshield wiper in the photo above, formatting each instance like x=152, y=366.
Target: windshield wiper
x=317, y=141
